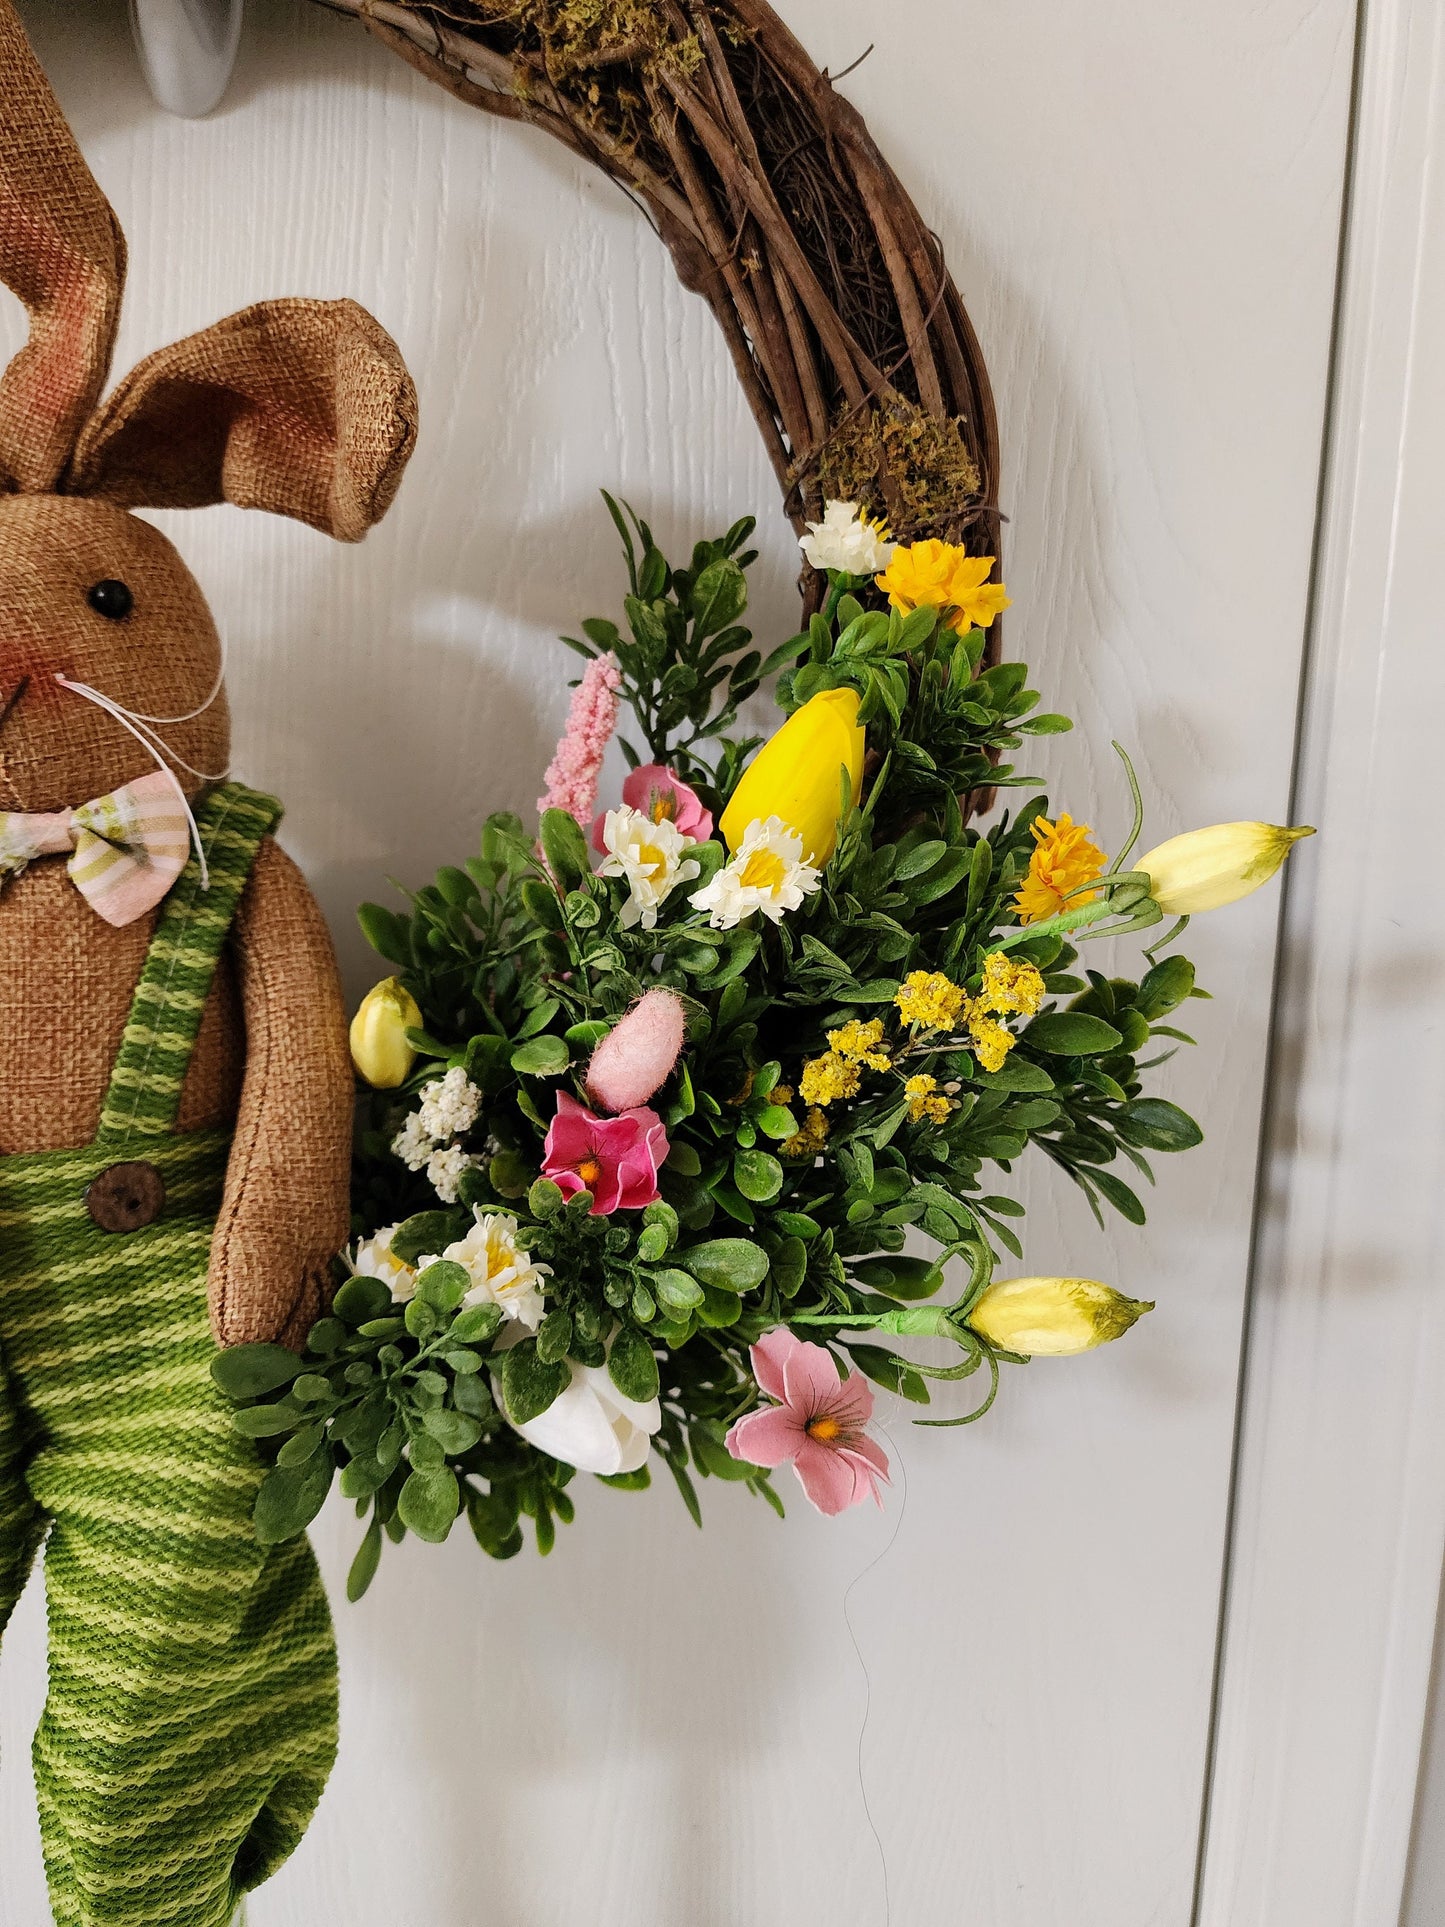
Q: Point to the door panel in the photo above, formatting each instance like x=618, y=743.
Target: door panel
x=1141, y=206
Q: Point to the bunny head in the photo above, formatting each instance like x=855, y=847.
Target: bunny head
x=298, y=406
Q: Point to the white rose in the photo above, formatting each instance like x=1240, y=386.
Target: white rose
x=591, y=1425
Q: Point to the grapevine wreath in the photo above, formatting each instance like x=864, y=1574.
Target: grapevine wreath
x=683, y=1104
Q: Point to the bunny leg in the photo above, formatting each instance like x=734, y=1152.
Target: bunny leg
x=191, y=1719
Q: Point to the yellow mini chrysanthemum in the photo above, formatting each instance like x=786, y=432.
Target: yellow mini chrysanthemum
x=859, y=1042
x=928, y=1001
x=1062, y=861
x=827, y=1079
x=781, y=1094
x=944, y=576
x=1010, y=984
x=808, y=1142
x=922, y=1103
x=992, y=1040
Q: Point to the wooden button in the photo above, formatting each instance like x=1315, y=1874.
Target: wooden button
x=126, y=1197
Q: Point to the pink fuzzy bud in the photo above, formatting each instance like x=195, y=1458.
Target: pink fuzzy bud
x=637, y=1055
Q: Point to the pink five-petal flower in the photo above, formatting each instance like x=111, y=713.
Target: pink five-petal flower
x=817, y=1425
x=615, y=1158
x=659, y=794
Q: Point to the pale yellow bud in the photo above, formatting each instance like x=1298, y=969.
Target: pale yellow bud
x=1051, y=1317
x=1206, y=868
x=379, y=1048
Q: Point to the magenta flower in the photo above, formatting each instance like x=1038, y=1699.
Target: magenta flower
x=637, y=1056
x=817, y=1423
x=577, y=762
x=615, y=1158
x=662, y=797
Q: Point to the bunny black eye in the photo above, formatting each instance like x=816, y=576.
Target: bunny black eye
x=110, y=599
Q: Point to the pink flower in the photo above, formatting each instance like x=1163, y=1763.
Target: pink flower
x=817, y=1423
x=661, y=796
x=573, y=771
x=637, y=1055
x=615, y=1158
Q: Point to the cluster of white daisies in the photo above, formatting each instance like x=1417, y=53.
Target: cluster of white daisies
x=766, y=874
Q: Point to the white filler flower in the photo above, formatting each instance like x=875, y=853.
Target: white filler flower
x=449, y=1106
x=847, y=540
x=500, y=1270
x=768, y=874
x=445, y=1170
x=650, y=856
x=374, y=1258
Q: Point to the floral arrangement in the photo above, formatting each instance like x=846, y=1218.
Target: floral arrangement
x=682, y=1111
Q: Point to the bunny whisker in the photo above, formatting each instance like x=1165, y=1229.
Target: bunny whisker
x=10, y=701
x=139, y=715
x=158, y=749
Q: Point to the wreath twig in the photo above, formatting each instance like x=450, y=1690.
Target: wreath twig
x=851, y=340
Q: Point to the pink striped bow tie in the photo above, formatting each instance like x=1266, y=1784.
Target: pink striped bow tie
x=128, y=847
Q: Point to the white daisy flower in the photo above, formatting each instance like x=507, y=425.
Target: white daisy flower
x=445, y=1170
x=768, y=874
x=374, y=1258
x=650, y=856
x=847, y=540
x=500, y=1270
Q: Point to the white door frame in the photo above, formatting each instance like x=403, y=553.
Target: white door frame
x=1338, y=1527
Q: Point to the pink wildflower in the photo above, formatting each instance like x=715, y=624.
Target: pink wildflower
x=662, y=797
x=573, y=771
x=615, y=1158
x=817, y=1423
x=637, y=1055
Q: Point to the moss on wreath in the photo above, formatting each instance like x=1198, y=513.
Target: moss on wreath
x=904, y=462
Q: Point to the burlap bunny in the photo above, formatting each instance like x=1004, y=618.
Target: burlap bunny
x=175, y=1091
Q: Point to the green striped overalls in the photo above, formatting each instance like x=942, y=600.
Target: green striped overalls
x=191, y=1717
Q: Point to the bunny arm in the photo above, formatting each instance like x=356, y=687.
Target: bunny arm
x=284, y=1212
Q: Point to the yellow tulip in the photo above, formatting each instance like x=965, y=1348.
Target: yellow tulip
x=1053, y=1317
x=794, y=776
x=1204, y=869
x=379, y=1048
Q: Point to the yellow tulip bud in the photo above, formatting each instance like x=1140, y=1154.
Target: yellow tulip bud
x=379, y=1048
x=1052, y=1317
x=1206, y=868
x=795, y=774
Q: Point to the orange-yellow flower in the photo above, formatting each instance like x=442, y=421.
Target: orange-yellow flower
x=1063, y=860
x=944, y=576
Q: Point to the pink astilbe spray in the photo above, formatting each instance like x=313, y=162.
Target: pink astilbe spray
x=573, y=771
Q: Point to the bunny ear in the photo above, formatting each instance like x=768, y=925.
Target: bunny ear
x=301, y=407
x=63, y=254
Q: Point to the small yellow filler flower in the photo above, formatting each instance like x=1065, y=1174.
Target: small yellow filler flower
x=922, y=1101
x=859, y=1042
x=379, y=1049
x=1010, y=984
x=992, y=1040
x=927, y=1000
x=1053, y=1317
x=808, y=1142
x=1063, y=860
x=944, y=576
x=1205, y=869
x=828, y=1079
x=796, y=775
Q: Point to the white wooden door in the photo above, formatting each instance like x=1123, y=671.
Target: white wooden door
x=991, y=1705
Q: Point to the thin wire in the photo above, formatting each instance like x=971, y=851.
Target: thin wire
x=113, y=709
x=855, y=1582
